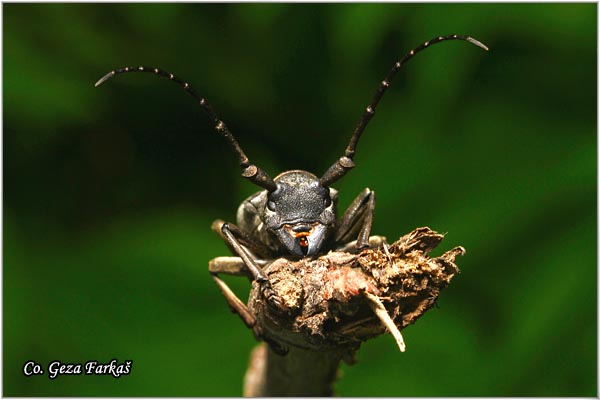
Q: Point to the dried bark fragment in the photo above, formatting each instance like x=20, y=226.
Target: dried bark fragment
x=324, y=302
x=330, y=307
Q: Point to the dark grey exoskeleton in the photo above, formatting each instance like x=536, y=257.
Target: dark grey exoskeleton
x=295, y=215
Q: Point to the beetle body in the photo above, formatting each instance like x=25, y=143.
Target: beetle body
x=295, y=215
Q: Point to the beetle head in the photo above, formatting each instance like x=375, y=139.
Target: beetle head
x=301, y=212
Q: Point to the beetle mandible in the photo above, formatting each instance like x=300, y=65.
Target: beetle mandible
x=295, y=214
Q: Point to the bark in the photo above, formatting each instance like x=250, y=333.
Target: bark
x=334, y=303
x=299, y=373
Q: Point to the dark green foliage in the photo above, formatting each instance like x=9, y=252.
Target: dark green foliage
x=109, y=192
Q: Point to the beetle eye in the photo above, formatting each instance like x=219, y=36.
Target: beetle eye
x=327, y=201
x=271, y=205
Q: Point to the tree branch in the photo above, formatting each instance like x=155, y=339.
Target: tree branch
x=334, y=303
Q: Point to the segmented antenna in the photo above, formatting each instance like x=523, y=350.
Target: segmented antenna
x=345, y=163
x=253, y=173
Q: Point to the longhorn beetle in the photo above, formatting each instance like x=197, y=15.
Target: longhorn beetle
x=294, y=216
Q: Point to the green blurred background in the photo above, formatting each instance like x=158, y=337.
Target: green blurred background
x=109, y=192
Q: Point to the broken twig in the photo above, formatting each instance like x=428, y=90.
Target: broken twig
x=384, y=317
x=334, y=303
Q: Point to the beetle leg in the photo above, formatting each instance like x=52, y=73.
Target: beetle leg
x=231, y=266
x=358, y=219
x=228, y=230
x=235, y=266
x=375, y=242
x=256, y=247
x=255, y=270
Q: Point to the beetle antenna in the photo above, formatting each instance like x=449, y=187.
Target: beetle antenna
x=346, y=163
x=253, y=173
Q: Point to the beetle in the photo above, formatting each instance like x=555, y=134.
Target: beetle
x=295, y=213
